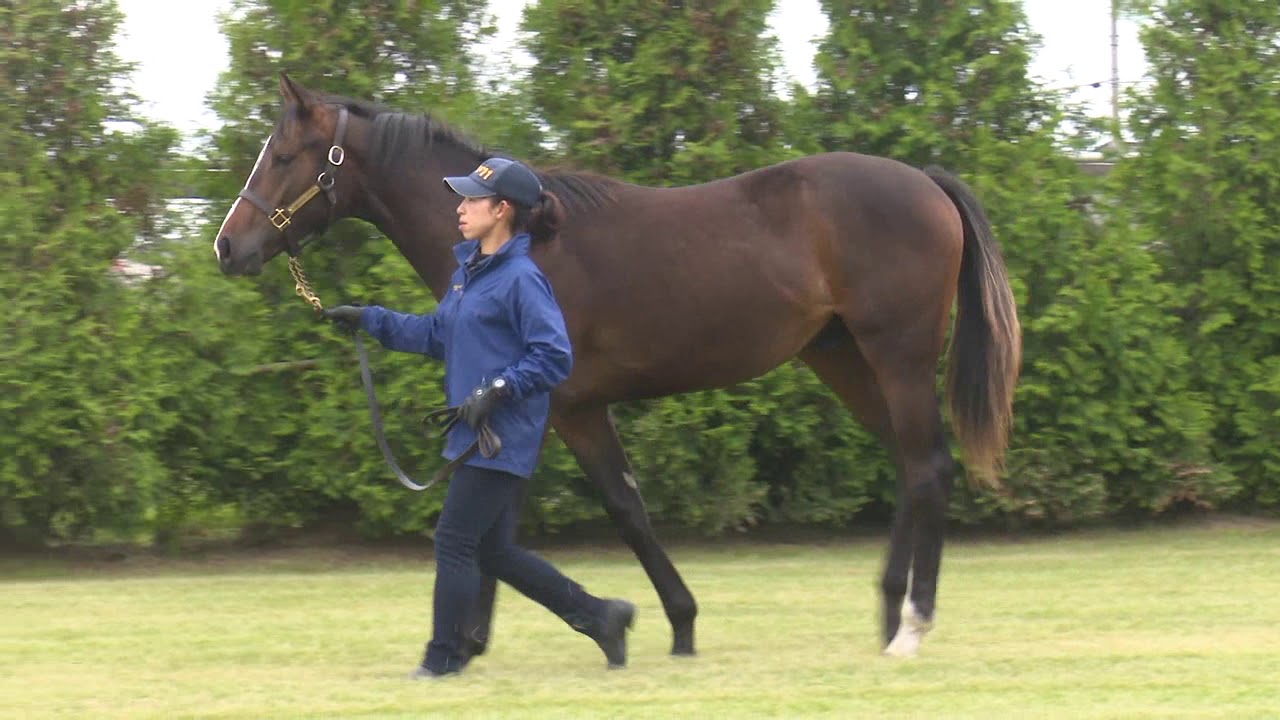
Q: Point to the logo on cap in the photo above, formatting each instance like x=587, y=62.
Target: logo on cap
x=499, y=176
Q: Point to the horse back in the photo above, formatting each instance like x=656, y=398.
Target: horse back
x=664, y=287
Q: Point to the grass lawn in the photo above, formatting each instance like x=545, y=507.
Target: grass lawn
x=1169, y=622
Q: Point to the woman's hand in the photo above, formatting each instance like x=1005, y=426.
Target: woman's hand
x=345, y=317
x=481, y=402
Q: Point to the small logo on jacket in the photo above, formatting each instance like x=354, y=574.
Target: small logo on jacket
x=457, y=288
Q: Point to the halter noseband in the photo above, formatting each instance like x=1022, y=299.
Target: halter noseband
x=281, y=218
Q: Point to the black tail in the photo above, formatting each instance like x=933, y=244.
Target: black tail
x=986, y=349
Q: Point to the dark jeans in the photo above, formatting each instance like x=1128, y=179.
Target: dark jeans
x=476, y=533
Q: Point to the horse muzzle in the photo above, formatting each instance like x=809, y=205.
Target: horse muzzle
x=232, y=266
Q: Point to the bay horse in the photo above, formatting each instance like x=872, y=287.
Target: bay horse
x=850, y=262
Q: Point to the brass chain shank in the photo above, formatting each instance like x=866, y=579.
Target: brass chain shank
x=302, y=286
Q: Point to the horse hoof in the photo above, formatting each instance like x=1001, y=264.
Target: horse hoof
x=904, y=645
x=682, y=647
x=911, y=632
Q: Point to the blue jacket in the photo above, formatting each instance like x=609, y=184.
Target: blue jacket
x=500, y=320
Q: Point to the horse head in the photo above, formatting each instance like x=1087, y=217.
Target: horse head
x=302, y=181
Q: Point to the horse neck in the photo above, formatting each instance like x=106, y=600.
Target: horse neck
x=412, y=207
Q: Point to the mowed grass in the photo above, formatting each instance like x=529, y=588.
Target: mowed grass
x=1171, y=622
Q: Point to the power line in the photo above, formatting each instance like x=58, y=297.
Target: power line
x=1096, y=85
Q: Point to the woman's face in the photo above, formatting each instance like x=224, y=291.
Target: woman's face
x=478, y=217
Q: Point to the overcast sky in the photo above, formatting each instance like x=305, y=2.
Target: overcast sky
x=177, y=69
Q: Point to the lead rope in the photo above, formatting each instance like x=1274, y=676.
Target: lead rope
x=303, y=289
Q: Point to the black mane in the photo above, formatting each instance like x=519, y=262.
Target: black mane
x=401, y=138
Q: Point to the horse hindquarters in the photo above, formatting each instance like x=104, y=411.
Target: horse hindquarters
x=897, y=245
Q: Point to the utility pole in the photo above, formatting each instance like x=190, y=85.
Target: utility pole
x=1117, y=137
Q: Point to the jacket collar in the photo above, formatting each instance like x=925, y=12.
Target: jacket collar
x=517, y=245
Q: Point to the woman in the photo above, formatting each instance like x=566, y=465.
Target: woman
x=502, y=338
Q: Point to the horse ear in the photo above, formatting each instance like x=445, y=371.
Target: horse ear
x=294, y=93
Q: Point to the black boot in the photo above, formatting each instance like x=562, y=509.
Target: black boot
x=610, y=632
x=422, y=673
x=452, y=666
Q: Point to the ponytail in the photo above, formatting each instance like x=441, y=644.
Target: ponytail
x=542, y=221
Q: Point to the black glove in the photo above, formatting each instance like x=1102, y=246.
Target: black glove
x=481, y=402
x=345, y=317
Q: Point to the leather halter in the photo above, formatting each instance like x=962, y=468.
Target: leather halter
x=282, y=218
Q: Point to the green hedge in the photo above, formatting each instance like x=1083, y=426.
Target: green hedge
x=193, y=402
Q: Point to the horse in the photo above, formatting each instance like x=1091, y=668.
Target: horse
x=849, y=262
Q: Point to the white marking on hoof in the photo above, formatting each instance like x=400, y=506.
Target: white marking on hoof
x=911, y=632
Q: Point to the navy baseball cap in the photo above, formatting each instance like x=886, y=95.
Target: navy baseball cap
x=499, y=176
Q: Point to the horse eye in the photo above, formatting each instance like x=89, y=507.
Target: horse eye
x=283, y=159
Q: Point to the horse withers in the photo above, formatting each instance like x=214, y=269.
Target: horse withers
x=850, y=262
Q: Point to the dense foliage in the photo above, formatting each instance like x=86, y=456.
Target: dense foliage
x=1200, y=195
x=161, y=407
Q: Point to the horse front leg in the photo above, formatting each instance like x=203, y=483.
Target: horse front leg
x=590, y=435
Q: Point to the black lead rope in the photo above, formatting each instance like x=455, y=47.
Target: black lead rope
x=487, y=442
x=375, y=414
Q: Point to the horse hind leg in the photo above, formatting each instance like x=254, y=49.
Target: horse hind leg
x=905, y=364
x=887, y=381
x=590, y=435
x=837, y=361
x=927, y=475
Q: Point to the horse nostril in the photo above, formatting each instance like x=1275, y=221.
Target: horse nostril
x=223, y=247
